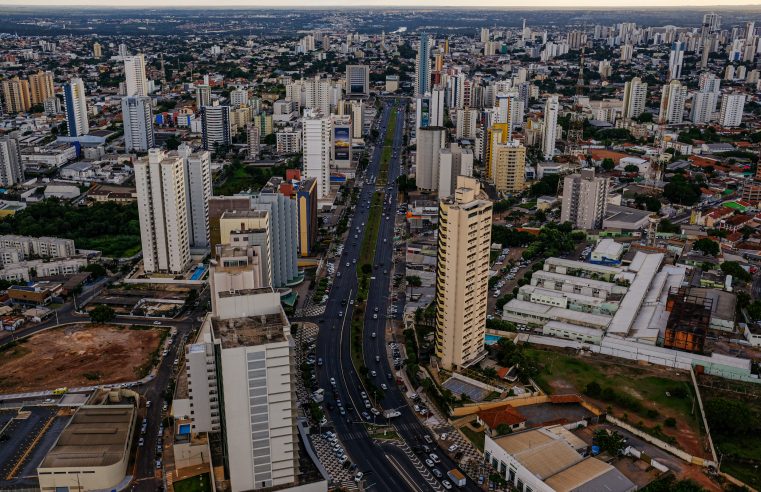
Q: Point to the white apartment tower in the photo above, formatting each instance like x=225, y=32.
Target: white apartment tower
x=462, y=275
x=430, y=141
x=138, y=123
x=316, y=143
x=134, y=75
x=585, y=200
x=635, y=97
x=161, y=201
x=705, y=99
x=423, y=66
x=732, y=106
x=215, y=125
x=672, y=103
x=551, y=109
x=466, y=123
x=10, y=162
x=199, y=190
x=676, y=60
x=430, y=109
x=76, y=108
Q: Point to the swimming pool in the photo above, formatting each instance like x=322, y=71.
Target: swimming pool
x=184, y=429
x=200, y=270
x=491, y=339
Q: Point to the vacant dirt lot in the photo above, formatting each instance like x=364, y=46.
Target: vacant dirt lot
x=78, y=355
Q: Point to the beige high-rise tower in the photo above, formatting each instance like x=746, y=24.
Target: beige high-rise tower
x=41, y=86
x=462, y=274
x=509, y=167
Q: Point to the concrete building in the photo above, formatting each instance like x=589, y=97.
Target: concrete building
x=306, y=201
x=288, y=141
x=466, y=123
x=430, y=141
x=76, y=108
x=203, y=96
x=357, y=81
x=551, y=109
x=136, y=82
x=430, y=109
x=672, y=103
x=138, y=123
x=316, y=138
x=540, y=460
x=509, y=167
x=97, y=50
x=198, y=190
x=635, y=98
x=705, y=99
x=161, y=200
x=218, y=205
x=249, y=228
x=284, y=218
x=43, y=247
x=41, y=87
x=585, y=199
x=215, y=125
x=676, y=60
x=16, y=95
x=92, y=452
x=423, y=66
x=11, y=171
x=453, y=162
x=462, y=275
x=732, y=107
x=253, y=139
x=340, y=141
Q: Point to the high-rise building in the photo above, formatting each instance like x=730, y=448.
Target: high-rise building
x=627, y=52
x=138, y=123
x=462, y=275
x=466, y=123
x=203, y=96
x=198, y=188
x=430, y=141
x=711, y=22
x=551, y=110
x=484, y=34
x=676, y=59
x=430, y=109
x=705, y=99
x=134, y=75
x=340, y=145
x=238, y=98
x=215, y=127
x=316, y=140
x=123, y=51
x=357, y=119
x=161, y=201
x=454, y=161
x=585, y=200
x=306, y=200
x=732, y=107
x=76, y=108
x=241, y=379
x=11, y=171
x=284, y=232
x=253, y=138
x=16, y=97
x=97, y=50
x=423, y=66
x=357, y=80
x=635, y=98
x=672, y=103
x=41, y=86
x=509, y=167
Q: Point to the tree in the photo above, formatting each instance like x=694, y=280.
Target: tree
x=413, y=281
x=608, y=164
x=102, y=314
x=706, y=246
x=612, y=443
x=733, y=268
x=96, y=269
x=730, y=417
x=593, y=389
x=631, y=168
x=173, y=143
x=503, y=429
x=367, y=268
x=681, y=191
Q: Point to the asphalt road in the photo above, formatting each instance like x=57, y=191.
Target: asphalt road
x=386, y=468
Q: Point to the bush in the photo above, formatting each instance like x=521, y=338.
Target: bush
x=670, y=422
x=593, y=389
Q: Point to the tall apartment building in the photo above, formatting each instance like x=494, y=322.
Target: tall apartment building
x=357, y=80
x=430, y=141
x=76, y=108
x=245, y=229
x=215, y=127
x=306, y=202
x=284, y=232
x=238, y=98
x=509, y=167
x=41, y=86
x=136, y=82
x=732, y=107
x=138, y=123
x=263, y=122
x=462, y=275
x=672, y=103
x=16, y=97
x=161, y=201
x=241, y=384
x=11, y=170
x=423, y=66
x=676, y=60
x=466, y=123
x=357, y=119
x=551, y=110
x=288, y=141
x=430, y=109
x=705, y=99
x=198, y=188
x=585, y=200
x=454, y=161
x=315, y=139
x=253, y=140
x=635, y=98
x=97, y=50
x=203, y=96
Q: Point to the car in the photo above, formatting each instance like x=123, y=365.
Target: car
x=148, y=404
x=366, y=416
x=348, y=264
x=376, y=309
x=388, y=376
x=373, y=335
x=375, y=316
x=333, y=381
x=358, y=477
x=427, y=438
x=374, y=411
x=453, y=448
x=373, y=373
x=367, y=404
x=354, y=260
x=435, y=458
x=430, y=463
x=319, y=361
x=157, y=322
x=446, y=484
x=437, y=473
x=443, y=436
x=340, y=314
x=141, y=441
x=324, y=421
x=164, y=407
x=341, y=410
x=338, y=274
x=158, y=464
x=383, y=386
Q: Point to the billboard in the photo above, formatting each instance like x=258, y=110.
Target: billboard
x=425, y=112
x=341, y=143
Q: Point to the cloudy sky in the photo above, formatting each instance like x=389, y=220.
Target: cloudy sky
x=386, y=3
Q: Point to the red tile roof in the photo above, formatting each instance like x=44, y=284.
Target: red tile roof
x=503, y=415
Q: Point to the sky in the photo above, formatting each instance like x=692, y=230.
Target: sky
x=387, y=3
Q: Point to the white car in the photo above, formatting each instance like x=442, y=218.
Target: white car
x=453, y=448
x=358, y=477
x=384, y=387
x=446, y=484
x=430, y=463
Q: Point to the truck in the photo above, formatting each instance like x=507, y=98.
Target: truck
x=390, y=414
x=456, y=477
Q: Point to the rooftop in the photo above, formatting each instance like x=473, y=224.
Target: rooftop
x=96, y=436
x=250, y=331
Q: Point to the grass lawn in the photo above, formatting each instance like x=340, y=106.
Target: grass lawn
x=201, y=483
x=477, y=438
x=743, y=471
x=388, y=143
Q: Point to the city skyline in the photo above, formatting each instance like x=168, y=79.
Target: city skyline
x=308, y=4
